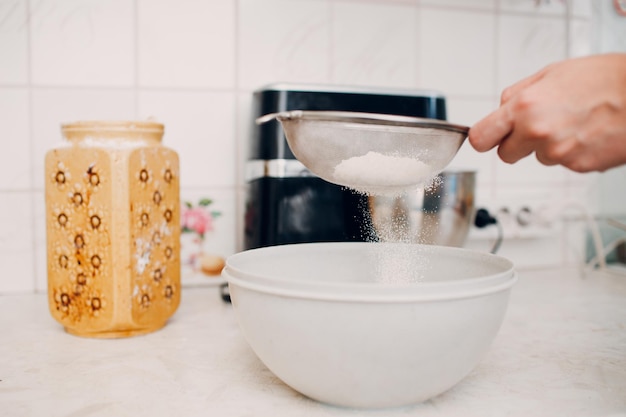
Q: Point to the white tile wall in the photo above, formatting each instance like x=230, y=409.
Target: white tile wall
x=457, y=54
x=283, y=41
x=15, y=172
x=14, y=42
x=538, y=7
x=527, y=43
x=579, y=34
x=201, y=127
x=186, y=43
x=193, y=64
x=82, y=42
x=462, y=4
x=39, y=222
x=582, y=8
x=374, y=43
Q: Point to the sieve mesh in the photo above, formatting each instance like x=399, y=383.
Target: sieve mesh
x=380, y=150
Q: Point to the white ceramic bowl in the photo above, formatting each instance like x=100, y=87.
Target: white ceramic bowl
x=369, y=325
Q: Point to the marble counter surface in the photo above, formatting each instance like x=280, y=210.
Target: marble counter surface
x=560, y=352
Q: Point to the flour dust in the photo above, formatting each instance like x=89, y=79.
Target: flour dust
x=390, y=221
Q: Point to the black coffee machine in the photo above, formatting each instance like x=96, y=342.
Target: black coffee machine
x=285, y=203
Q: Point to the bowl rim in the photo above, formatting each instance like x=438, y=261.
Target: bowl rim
x=383, y=297
x=434, y=290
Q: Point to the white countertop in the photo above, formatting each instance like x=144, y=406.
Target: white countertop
x=560, y=352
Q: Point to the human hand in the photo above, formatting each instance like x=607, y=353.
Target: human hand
x=571, y=113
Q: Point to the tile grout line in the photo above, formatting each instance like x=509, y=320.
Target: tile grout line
x=331, y=45
x=239, y=140
x=417, y=75
x=31, y=141
x=496, y=79
x=568, y=47
x=82, y=87
x=136, y=57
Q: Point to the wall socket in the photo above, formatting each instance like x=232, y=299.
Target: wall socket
x=523, y=235
x=519, y=221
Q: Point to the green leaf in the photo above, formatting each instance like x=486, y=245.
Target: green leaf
x=205, y=202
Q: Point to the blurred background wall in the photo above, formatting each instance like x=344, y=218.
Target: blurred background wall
x=193, y=64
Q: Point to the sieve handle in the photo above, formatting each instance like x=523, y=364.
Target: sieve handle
x=266, y=118
x=285, y=115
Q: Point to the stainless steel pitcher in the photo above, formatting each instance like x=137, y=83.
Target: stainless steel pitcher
x=440, y=215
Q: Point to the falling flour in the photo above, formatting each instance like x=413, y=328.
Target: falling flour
x=403, y=264
x=376, y=173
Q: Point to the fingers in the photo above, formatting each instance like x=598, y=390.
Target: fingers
x=546, y=159
x=492, y=130
x=564, y=151
x=521, y=85
x=535, y=132
x=514, y=147
x=498, y=128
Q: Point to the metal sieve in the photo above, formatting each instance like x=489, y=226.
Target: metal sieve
x=381, y=154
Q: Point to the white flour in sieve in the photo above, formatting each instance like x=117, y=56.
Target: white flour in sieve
x=376, y=173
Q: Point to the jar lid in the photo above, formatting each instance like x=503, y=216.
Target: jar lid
x=144, y=126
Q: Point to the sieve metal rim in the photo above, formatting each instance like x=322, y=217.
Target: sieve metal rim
x=364, y=118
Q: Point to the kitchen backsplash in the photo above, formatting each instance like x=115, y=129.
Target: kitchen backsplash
x=193, y=64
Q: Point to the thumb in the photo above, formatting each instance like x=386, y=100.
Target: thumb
x=490, y=131
x=493, y=129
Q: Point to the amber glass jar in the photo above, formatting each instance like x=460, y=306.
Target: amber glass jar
x=113, y=229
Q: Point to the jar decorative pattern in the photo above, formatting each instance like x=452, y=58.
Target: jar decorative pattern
x=113, y=229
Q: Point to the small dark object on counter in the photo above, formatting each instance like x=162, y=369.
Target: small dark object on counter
x=225, y=293
x=483, y=219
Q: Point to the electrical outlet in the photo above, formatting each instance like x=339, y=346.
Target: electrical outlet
x=536, y=232
x=518, y=221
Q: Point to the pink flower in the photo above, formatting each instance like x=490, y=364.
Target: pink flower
x=197, y=219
